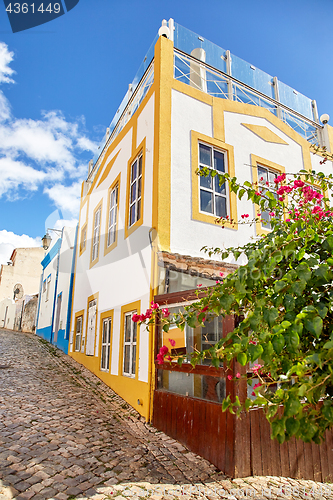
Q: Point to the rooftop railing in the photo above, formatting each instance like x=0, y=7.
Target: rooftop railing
x=200, y=75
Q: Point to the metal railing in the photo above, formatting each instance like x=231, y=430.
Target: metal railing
x=199, y=75
x=133, y=103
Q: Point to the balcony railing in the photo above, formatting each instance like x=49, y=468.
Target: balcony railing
x=200, y=75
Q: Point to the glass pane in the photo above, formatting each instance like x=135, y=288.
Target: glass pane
x=134, y=331
x=116, y=195
x=132, y=214
x=265, y=217
x=127, y=358
x=113, y=193
x=262, y=175
x=105, y=325
x=271, y=177
x=133, y=360
x=221, y=206
x=139, y=187
x=219, y=161
x=133, y=171
x=128, y=321
x=107, y=358
x=140, y=165
x=205, y=155
x=206, y=181
x=206, y=201
x=103, y=357
x=218, y=188
x=138, y=215
x=108, y=339
x=133, y=192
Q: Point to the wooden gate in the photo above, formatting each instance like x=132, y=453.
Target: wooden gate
x=240, y=447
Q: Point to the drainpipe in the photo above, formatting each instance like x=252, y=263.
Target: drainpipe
x=39, y=299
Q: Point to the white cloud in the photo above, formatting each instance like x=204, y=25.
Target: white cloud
x=66, y=198
x=6, y=58
x=9, y=241
x=43, y=153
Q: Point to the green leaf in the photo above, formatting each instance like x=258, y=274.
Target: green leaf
x=292, y=426
x=279, y=285
x=314, y=325
x=303, y=272
x=255, y=351
x=242, y=358
x=166, y=327
x=328, y=345
x=292, y=406
x=289, y=302
x=270, y=315
x=278, y=343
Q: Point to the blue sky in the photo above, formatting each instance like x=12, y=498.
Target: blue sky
x=61, y=83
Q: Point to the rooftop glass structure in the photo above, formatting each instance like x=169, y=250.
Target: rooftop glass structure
x=214, y=70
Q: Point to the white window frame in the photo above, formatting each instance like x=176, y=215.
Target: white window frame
x=130, y=345
x=135, y=192
x=78, y=334
x=213, y=190
x=113, y=214
x=96, y=234
x=106, y=344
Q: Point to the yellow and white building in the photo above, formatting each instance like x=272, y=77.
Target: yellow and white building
x=192, y=104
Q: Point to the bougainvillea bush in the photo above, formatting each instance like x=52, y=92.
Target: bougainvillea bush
x=283, y=298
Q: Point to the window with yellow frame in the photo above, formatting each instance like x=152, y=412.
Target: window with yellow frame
x=135, y=189
x=96, y=232
x=264, y=172
x=83, y=239
x=210, y=200
x=112, y=216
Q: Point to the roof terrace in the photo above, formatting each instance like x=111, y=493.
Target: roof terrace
x=211, y=69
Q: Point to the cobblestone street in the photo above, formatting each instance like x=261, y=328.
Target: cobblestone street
x=65, y=435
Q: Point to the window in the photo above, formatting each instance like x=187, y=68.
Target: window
x=266, y=183
x=91, y=326
x=78, y=333
x=112, y=222
x=83, y=241
x=106, y=343
x=213, y=197
x=209, y=199
x=48, y=288
x=264, y=172
x=96, y=230
x=135, y=198
x=130, y=337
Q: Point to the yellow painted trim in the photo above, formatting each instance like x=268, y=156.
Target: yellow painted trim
x=197, y=94
x=197, y=137
x=93, y=262
x=90, y=299
x=250, y=110
x=218, y=119
x=330, y=137
x=83, y=241
x=108, y=168
x=105, y=315
x=122, y=134
x=163, y=78
x=133, y=306
x=279, y=169
x=77, y=315
x=264, y=133
x=139, y=222
x=114, y=244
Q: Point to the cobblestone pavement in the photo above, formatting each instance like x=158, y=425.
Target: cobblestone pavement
x=65, y=435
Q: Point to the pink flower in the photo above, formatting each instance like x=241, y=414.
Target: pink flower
x=200, y=284
x=272, y=214
x=217, y=282
x=153, y=305
x=257, y=193
x=229, y=377
x=163, y=350
x=288, y=220
x=135, y=318
x=165, y=312
x=245, y=216
x=221, y=274
x=160, y=359
x=172, y=342
x=149, y=313
x=238, y=375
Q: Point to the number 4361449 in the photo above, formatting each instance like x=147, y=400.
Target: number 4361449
x=25, y=8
